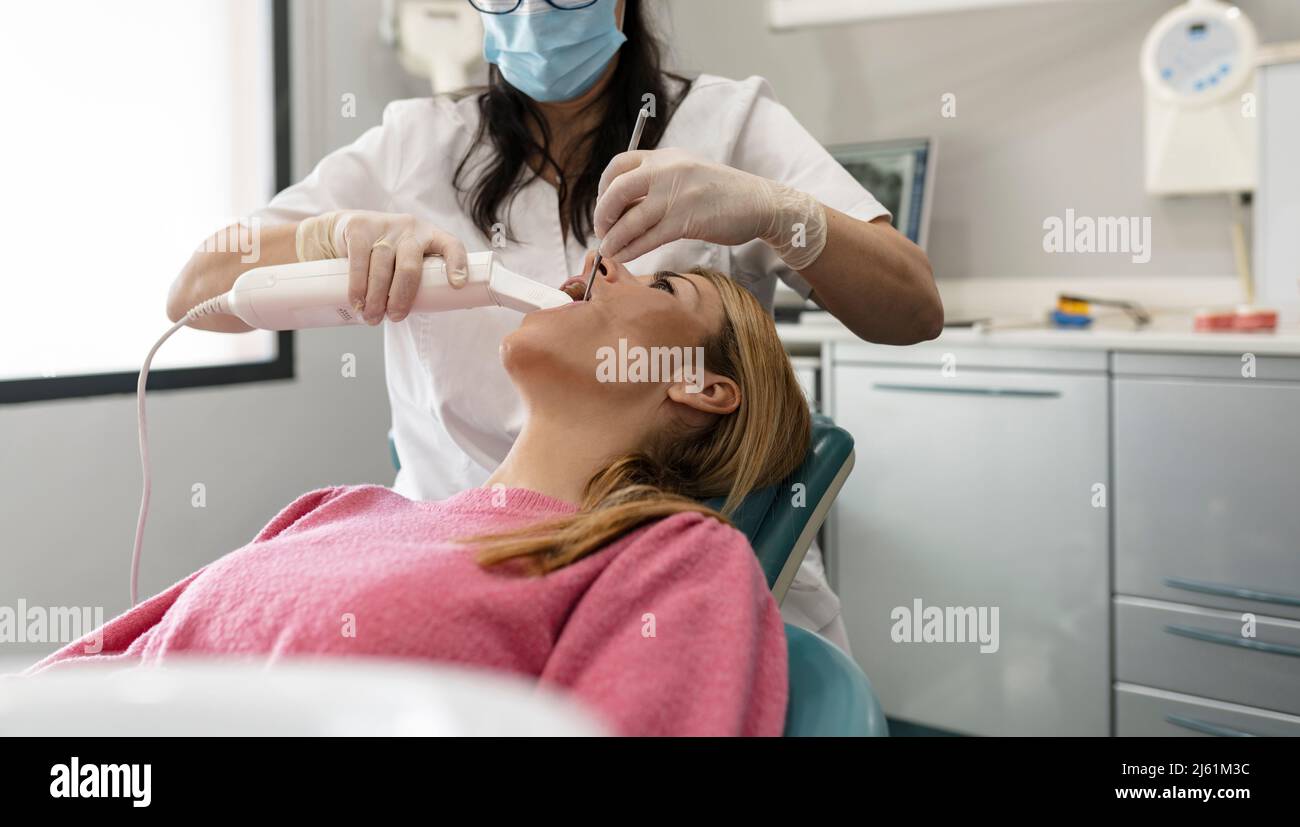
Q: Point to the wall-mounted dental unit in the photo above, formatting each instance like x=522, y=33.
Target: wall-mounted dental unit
x=1198, y=68
x=441, y=40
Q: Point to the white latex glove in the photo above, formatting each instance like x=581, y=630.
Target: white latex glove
x=385, y=253
x=649, y=198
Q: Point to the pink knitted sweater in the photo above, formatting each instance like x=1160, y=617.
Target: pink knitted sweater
x=671, y=630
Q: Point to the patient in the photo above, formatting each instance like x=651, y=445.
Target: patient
x=585, y=561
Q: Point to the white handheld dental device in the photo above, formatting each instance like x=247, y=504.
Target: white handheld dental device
x=315, y=294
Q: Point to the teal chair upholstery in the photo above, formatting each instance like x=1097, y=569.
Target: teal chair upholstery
x=829, y=695
x=781, y=521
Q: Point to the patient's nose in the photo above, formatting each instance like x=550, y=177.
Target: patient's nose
x=611, y=273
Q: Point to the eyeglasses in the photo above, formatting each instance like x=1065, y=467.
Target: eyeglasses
x=507, y=6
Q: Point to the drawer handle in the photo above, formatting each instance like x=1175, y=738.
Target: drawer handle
x=1240, y=592
x=1232, y=640
x=1013, y=392
x=1207, y=728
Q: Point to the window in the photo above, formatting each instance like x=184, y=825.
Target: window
x=134, y=131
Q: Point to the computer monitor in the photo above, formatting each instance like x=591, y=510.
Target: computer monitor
x=900, y=174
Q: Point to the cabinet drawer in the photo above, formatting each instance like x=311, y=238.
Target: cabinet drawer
x=1228, y=366
x=1202, y=652
x=1145, y=712
x=1205, y=499
x=975, y=490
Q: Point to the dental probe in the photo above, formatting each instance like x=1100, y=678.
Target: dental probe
x=631, y=147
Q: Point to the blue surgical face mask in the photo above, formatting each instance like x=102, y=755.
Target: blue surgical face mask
x=550, y=54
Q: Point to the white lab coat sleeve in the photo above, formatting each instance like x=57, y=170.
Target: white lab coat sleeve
x=773, y=144
x=360, y=176
x=811, y=604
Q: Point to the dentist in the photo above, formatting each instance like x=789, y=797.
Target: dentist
x=726, y=179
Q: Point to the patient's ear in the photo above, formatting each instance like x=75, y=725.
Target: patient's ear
x=708, y=393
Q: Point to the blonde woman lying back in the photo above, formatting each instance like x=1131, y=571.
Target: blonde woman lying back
x=586, y=561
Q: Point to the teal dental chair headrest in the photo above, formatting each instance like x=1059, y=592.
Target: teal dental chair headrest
x=782, y=520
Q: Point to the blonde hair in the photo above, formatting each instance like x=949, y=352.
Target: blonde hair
x=755, y=446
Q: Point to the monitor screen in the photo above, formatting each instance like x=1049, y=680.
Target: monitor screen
x=897, y=174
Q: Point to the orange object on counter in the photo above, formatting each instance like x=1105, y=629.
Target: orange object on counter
x=1073, y=307
x=1243, y=319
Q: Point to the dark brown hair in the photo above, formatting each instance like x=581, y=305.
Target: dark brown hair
x=505, y=114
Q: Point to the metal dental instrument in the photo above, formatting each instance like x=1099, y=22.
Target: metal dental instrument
x=631, y=147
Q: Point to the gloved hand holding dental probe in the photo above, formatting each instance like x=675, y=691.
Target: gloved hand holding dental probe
x=648, y=198
x=385, y=253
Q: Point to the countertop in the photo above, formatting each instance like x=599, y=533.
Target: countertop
x=1167, y=334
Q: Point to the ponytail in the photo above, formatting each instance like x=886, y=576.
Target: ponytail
x=623, y=497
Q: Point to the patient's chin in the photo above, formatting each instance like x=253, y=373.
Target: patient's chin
x=534, y=350
x=544, y=358
x=517, y=350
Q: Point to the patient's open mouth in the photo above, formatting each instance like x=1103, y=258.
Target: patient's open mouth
x=575, y=287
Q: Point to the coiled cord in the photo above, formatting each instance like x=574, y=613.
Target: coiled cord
x=217, y=305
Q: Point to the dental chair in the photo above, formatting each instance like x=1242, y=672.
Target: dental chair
x=829, y=695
